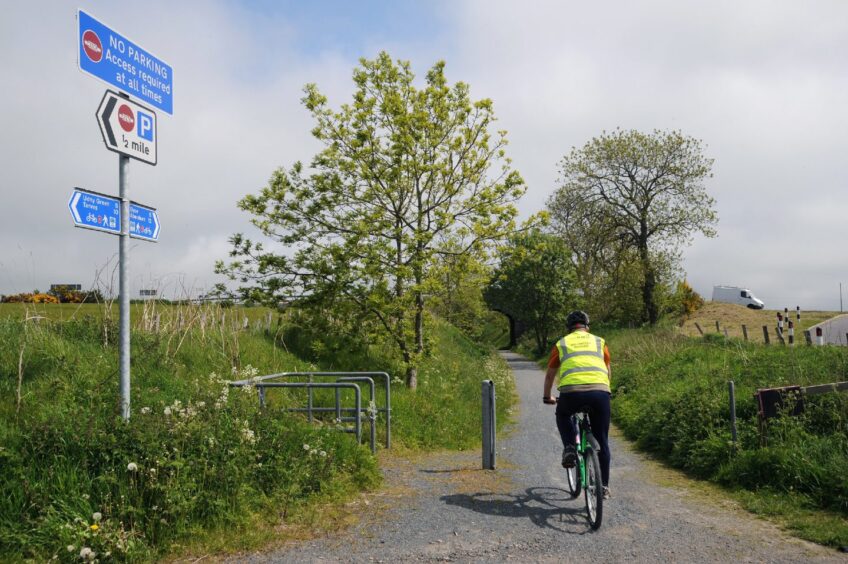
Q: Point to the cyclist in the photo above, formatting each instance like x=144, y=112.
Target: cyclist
x=580, y=362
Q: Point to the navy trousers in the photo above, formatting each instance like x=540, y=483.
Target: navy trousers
x=598, y=407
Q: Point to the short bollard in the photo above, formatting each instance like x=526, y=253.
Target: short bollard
x=488, y=400
x=819, y=337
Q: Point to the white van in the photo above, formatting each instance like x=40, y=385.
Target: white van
x=736, y=295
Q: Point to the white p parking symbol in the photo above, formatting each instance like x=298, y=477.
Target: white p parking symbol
x=145, y=126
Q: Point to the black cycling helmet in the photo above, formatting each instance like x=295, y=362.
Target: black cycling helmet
x=576, y=318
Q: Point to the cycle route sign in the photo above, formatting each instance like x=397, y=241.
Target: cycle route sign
x=122, y=63
x=92, y=210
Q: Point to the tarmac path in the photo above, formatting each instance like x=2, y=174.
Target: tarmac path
x=443, y=508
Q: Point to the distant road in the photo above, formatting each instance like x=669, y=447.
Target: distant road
x=833, y=330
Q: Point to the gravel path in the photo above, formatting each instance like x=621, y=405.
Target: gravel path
x=442, y=507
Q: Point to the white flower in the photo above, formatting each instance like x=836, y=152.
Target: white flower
x=87, y=554
x=323, y=453
x=167, y=411
x=305, y=446
x=201, y=404
x=96, y=517
x=132, y=466
x=71, y=548
x=145, y=410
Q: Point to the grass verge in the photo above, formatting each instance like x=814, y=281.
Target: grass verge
x=670, y=397
x=198, y=469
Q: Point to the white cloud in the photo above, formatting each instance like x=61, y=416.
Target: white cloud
x=761, y=83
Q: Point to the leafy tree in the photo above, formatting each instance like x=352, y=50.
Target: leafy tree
x=456, y=284
x=629, y=192
x=533, y=283
x=403, y=170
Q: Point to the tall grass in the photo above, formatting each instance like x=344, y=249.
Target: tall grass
x=77, y=482
x=671, y=397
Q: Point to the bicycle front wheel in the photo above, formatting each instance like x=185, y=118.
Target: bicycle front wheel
x=594, y=489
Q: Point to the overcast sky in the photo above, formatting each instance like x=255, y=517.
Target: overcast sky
x=762, y=83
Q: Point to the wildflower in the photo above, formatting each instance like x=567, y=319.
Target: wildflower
x=96, y=517
x=167, y=411
x=132, y=466
x=87, y=554
x=201, y=404
x=94, y=527
x=248, y=435
x=305, y=446
x=71, y=548
x=323, y=453
x=145, y=410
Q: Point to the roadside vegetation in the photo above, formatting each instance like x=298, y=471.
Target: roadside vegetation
x=198, y=467
x=671, y=398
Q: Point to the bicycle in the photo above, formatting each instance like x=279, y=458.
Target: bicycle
x=585, y=476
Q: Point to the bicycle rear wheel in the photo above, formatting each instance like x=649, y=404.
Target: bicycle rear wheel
x=573, y=478
x=594, y=489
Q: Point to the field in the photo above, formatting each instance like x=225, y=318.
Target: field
x=732, y=317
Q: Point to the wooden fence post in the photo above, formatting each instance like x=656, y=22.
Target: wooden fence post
x=701, y=331
x=765, y=334
x=808, y=337
x=745, y=332
x=718, y=327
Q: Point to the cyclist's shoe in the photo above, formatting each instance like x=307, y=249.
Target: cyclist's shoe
x=569, y=457
x=607, y=493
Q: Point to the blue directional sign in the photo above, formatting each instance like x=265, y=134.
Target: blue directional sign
x=91, y=210
x=114, y=59
x=144, y=222
x=95, y=211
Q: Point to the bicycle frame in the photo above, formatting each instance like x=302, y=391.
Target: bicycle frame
x=583, y=431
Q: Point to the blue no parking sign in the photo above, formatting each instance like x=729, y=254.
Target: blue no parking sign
x=116, y=60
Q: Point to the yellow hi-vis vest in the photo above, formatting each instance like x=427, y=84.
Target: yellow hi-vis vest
x=581, y=360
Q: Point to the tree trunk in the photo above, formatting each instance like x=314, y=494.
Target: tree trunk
x=649, y=283
x=412, y=377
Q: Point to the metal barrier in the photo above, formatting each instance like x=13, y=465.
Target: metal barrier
x=348, y=378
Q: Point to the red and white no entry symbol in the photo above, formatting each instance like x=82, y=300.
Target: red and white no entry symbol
x=92, y=46
x=126, y=118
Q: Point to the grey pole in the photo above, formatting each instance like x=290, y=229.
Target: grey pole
x=123, y=286
x=488, y=401
x=732, y=389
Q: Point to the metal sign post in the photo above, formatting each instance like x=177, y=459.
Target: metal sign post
x=130, y=130
x=123, y=287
